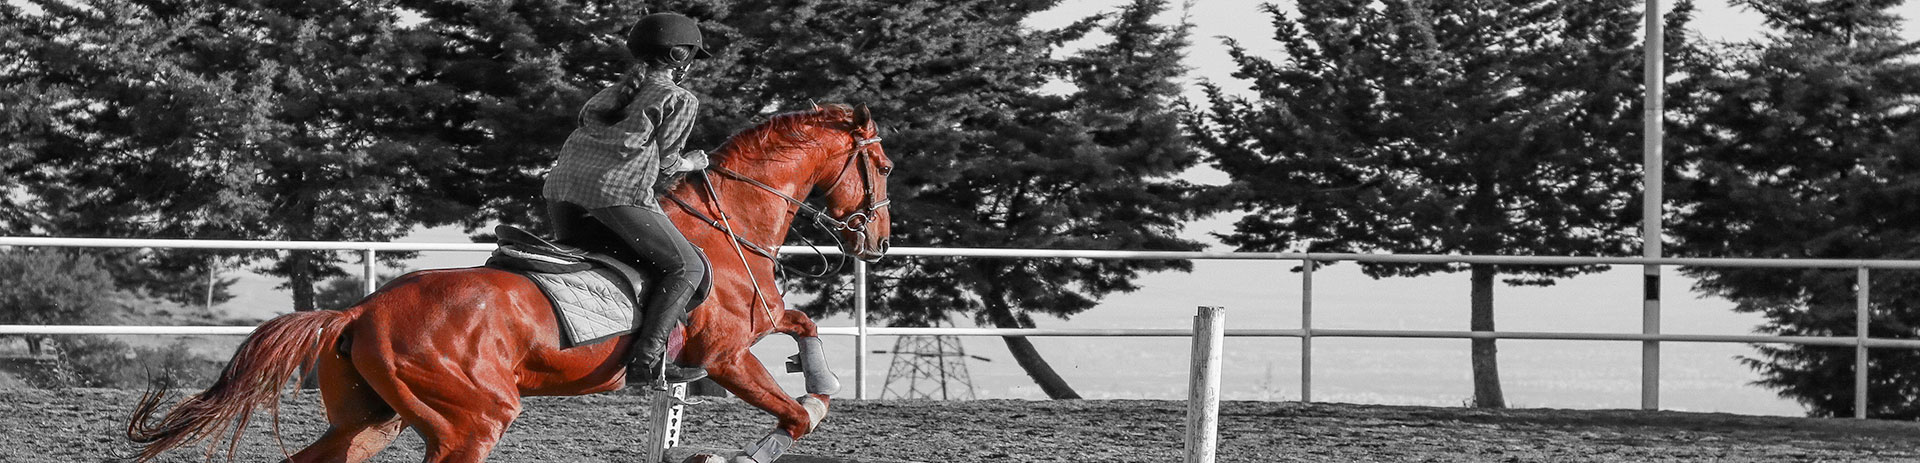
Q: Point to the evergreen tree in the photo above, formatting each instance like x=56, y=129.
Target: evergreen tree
x=1422, y=127
x=1801, y=146
x=1089, y=169
x=278, y=120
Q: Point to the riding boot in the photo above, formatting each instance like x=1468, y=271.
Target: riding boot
x=657, y=320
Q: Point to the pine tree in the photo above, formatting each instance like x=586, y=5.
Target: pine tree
x=1800, y=145
x=1425, y=127
x=992, y=161
x=230, y=120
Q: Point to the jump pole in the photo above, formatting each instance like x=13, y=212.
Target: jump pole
x=1203, y=386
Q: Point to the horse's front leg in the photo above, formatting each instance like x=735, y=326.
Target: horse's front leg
x=812, y=359
x=745, y=377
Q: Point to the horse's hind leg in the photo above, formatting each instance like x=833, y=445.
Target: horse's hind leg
x=360, y=424
x=460, y=418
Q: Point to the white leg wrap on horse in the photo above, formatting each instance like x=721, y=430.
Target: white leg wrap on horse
x=813, y=361
x=816, y=410
x=767, y=449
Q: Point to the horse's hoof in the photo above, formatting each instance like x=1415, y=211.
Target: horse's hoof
x=704, y=458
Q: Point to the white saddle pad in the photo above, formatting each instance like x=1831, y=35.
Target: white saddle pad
x=592, y=306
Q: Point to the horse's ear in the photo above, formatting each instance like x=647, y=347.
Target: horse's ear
x=862, y=118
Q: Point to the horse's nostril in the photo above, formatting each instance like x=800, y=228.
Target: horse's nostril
x=885, y=243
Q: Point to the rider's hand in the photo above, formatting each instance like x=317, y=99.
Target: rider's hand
x=689, y=161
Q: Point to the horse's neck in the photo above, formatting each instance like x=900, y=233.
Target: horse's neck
x=753, y=213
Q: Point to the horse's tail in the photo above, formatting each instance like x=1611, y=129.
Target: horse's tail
x=254, y=377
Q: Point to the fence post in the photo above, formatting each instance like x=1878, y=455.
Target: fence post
x=1653, y=138
x=1861, y=311
x=1306, y=330
x=860, y=335
x=1203, y=385
x=1650, y=350
x=663, y=424
x=367, y=256
x=369, y=260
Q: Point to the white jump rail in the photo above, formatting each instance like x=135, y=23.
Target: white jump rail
x=861, y=331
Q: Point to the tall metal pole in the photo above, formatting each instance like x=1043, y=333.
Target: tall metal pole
x=1650, y=174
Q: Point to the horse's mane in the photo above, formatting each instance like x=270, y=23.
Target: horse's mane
x=784, y=130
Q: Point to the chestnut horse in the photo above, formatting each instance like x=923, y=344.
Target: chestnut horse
x=450, y=352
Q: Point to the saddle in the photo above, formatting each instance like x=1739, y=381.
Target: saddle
x=594, y=295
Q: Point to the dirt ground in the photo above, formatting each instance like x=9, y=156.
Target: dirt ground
x=86, y=425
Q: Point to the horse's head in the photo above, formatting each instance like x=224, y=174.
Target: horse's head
x=853, y=174
x=832, y=150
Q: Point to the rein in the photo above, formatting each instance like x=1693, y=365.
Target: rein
x=855, y=221
x=750, y=246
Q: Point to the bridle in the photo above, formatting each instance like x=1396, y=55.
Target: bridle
x=856, y=221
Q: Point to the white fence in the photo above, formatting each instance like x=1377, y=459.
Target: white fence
x=1650, y=372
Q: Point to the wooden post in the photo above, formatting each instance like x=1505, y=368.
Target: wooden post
x=663, y=424
x=1203, y=387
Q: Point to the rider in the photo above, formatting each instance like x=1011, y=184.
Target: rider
x=603, y=189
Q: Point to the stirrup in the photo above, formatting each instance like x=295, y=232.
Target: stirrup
x=659, y=387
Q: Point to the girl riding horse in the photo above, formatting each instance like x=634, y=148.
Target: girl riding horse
x=603, y=191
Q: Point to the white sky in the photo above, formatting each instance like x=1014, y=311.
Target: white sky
x=1243, y=20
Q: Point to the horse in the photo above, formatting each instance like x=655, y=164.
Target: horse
x=451, y=352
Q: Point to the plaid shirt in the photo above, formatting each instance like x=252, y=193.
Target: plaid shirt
x=616, y=155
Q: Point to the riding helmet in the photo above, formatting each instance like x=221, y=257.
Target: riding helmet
x=656, y=35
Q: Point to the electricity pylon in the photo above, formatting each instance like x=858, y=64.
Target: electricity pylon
x=928, y=367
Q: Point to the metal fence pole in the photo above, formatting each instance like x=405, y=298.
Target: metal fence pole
x=1861, y=311
x=860, y=338
x=372, y=283
x=1306, y=331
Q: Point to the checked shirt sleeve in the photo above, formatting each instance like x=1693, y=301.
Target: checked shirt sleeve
x=675, y=125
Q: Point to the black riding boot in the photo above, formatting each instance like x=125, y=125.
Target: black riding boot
x=649, y=348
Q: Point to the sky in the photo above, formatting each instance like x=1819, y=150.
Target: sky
x=1698, y=377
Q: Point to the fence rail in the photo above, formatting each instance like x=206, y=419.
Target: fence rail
x=1306, y=333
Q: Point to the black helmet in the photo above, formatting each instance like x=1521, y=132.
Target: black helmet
x=656, y=36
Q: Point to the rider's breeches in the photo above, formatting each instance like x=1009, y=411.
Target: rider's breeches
x=644, y=235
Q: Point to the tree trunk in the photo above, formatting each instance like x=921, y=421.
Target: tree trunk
x=1025, y=354
x=1486, y=366
x=300, y=279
